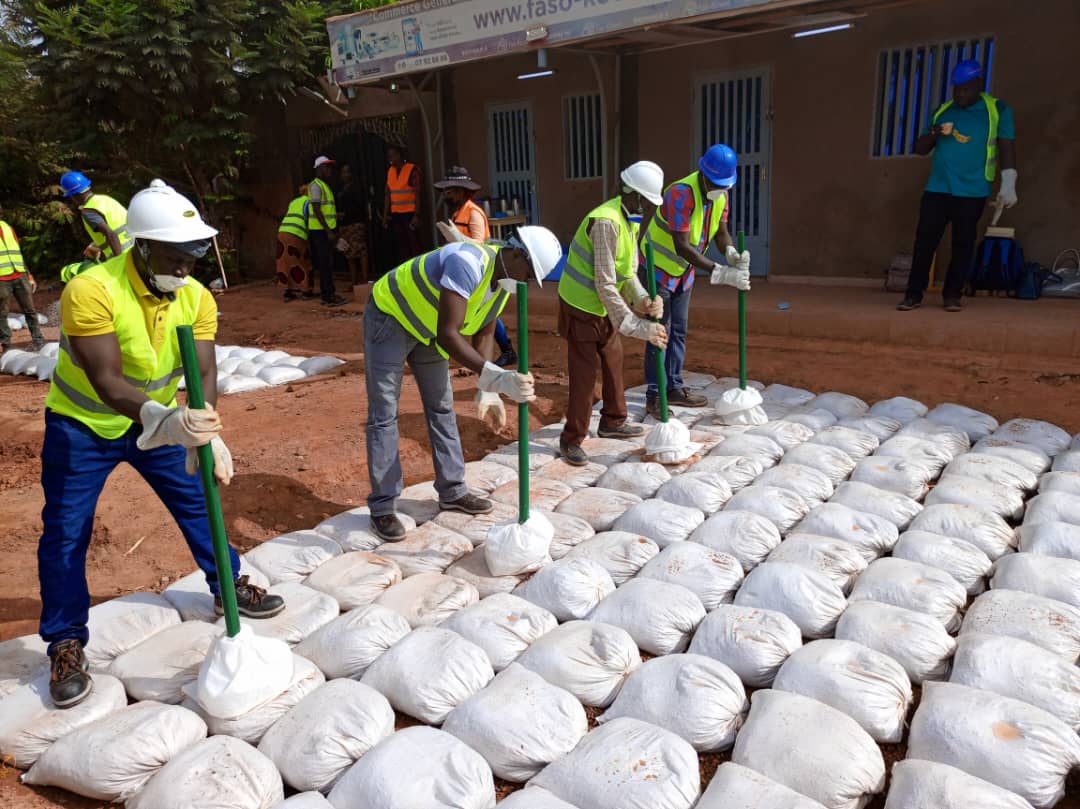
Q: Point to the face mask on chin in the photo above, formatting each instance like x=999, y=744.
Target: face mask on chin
x=716, y=193
x=169, y=283
x=508, y=285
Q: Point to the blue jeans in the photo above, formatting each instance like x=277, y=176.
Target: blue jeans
x=75, y=462
x=502, y=339
x=675, y=320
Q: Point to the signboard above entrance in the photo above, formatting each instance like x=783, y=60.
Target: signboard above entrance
x=425, y=34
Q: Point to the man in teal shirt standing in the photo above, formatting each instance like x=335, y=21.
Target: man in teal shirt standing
x=970, y=137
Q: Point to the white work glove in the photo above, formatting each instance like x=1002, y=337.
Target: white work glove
x=731, y=276
x=223, y=465
x=654, y=333
x=514, y=386
x=165, y=426
x=740, y=261
x=651, y=307
x=490, y=404
x=1007, y=193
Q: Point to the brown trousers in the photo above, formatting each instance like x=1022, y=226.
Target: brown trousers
x=592, y=344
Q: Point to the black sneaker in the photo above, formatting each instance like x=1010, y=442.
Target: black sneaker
x=470, y=504
x=952, y=305
x=624, y=430
x=69, y=683
x=290, y=295
x=573, y=454
x=652, y=405
x=308, y=295
x=388, y=527
x=684, y=397
x=337, y=300
x=252, y=601
x=908, y=303
x=508, y=357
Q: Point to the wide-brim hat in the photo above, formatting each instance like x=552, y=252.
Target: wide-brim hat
x=458, y=177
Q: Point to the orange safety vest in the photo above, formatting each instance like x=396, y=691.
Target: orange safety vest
x=402, y=195
x=464, y=214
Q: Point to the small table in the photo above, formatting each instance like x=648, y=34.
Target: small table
x=500, y=224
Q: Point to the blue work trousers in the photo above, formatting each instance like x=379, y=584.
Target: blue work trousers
x=676, y=319
x=75, y=462
x=502, y=339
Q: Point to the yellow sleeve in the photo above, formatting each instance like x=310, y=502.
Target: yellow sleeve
x=86, y=308
x=205, y=325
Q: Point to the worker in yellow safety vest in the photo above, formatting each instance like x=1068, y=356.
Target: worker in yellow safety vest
x=16, y=282
x=113, y=399
x=422, y=313
x=322, y=229
x=293, y=257
x=693, y=214
x=104, y=218
x=401, y=205
x=600, y=298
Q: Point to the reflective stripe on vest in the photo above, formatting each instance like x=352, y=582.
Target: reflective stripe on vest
x=295, y=222
x=463, y=215
x=326, y=205
x=115, y=217
x=990, y=169
x=11, y=260
x=402, y=195
x=156, y=372
x=665, y=255
x=408, y=295
x=577, y=286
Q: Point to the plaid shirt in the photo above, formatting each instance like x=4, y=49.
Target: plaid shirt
x=677, y=208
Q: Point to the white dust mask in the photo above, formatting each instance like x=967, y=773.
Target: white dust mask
x=508, y=285
x=716, y=193
x=169, y=283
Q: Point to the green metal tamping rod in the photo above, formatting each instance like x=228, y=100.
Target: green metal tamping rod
x=661, y=378
x=195, y=399
x=523, y=407
x=742, y=319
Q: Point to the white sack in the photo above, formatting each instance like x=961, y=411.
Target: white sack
x=922, y=451
x=829, y=758
x=1068, y=482
x=533, y=798
x=738, y=471
x=1047, y=437
x=986, y=531
x=544, y=493
x=45, y=368
x=1053, y=507
x=597, y=506
x=429, y=548
x=896, y=508
x=352, y=529
x=740, y=407
x=809, y=597
x=760, y=447
x=746, y=535
x=121, y=624
x=870, y=687
x=661, y=522
x=626, y=764
x=503, y=625
x=929, y=785
x=786, y=395
x=569, y=533
x=280, y=374
x=639, y=479
x=788, y=434
x=320, y=365
x=751, y=642
x=484, y=477
x=811, y=484
x=354, y=579
x=834, y=463
x=878, y=426
x=514, y=548
x=993, y=469
x=589, y=659
x=429, y=672
x=569, y=588
x=659, y=616
x=736, y=787
x=1039, y=575
x=712, y=576
x=1027, y=455
x=475, y=527
x=782, y=507
x=916, y=641
x=1057, y=539
x=519, y=723
x=841, y=405
x=473, y=568
x=427, y=599
x=702, y=491
x=900, y=408
x=305, y=611
x=1004, y=501
x=856, y=443
x=190, y=594
x=239, y=384
x=898, y=475
x=245, y=352
x=957, y=557
x=1053, y=625
x=159, y=667
x=695, y=697
x=1017, y=746
x=292, y=556
x=608, y=451
x=952, y=439
x=913, y=586
x=421, y=503
x=417, y=768
x=273, y=357
x=669, y=443
x=12, y=359
x=349, y=644
x=21, y=659
x=874, y=536
x=815, y=419
x=968, y=420
x=559, y=471
x=620, y=553
x=228, y=365
x=112, y=758
x=840, y=561
x=326, y=732
x=539, y=454
x=305, y=800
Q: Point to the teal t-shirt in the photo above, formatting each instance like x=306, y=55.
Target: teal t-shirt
x=959, y=163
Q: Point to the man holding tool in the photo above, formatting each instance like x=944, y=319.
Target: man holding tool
x=104, y=218
x=693, y=213
x=422, y=312
x=600, y=298
x=113, y=399
x=967, y=135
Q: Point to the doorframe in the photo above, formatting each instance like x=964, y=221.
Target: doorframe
x=489, y=109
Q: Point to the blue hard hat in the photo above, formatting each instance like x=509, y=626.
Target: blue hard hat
x=966, y=71
x=719, y=165
x=74, y=182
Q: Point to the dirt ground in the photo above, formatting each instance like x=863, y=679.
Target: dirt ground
x=299, y=449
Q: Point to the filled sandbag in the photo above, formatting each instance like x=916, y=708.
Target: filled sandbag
x=914, y=586
x=476, y=527
x=736, y=787
x=639, y=479
x=966, y=419
x=925, y=452
x=712, y=576
x=533, y=797
x=788, y=434
x=896, y=508
x=21, y=659
x=1007, y=742
x=569, y=588
x=856, y=443
x=305, y=611
x=544, y=493
x=326, y=732
x=349, y=644
x=1004, y=501
x=620, y=553
x=597, y=506
x=985, y=530
x=916, y=641
x=111, y=758
x=898, y=475
x=872, y=535
x=737, y=470
x=867, y=685
x=1068, y=482
x=239, y=383
x=428, y=599
x=1039, y=575
x=661, y=522
x=429, y=548
x=751, y=642
x=787, y=395
x=1048, y=438
x=293, y=556
x=782, y=507
x=812, y=485
x=280, y=374
x=957, y=557
x=320, y=365
x=841, y=405
x=659, y=616
x=695, y=697
x=305, y=800
x=993, y=469
x=519, y=723
x=1057, y=539
x=834, y=463
x=900, y=408
x=507, y=455
x=473, y=568
x=1027, y=455
x=420, y=502
x=352, y=529
x=759, y=447
x=120, y=624
x=746, y=535
x=1053, y=625
x=589, y=659
x=880, y=427
x=831, y=759
x=839, y=560
x=190, y=594
x=159, y=667
x=814, y=418
x=503, y=625
x=952, y=439
x=516, y=548
x=626, y=764
x=1053, y=507
x=354, y=579
x=809, y=597
x=929, y=785
x=702, y=491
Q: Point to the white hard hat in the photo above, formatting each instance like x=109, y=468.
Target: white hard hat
x=646, y=178
x=544, y=250
x=161, y=214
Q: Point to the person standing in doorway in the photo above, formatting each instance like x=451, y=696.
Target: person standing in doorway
x=17, y=283
x=694, y=213
x=401, y=206
x=293, y=261
x=352, y=224
x=104, y=218
x=322, y=229
x=970, y=136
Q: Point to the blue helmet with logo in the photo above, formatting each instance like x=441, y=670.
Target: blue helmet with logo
x=966, y=71
x=74, y=182
x=719, y=165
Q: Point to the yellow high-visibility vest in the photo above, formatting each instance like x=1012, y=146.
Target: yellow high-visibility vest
x=297, y=218
x=659, y=232
x=990, y=170
x=11, y=260
x=327, y=205
x=115, y=217
x=577, y=286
